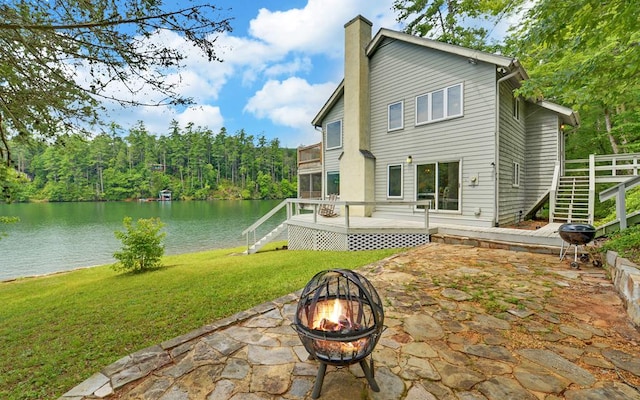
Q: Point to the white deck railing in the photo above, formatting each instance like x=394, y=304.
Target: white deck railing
x=609, y=168
x=295, y=206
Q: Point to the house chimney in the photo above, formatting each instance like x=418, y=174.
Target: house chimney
x=357, y=164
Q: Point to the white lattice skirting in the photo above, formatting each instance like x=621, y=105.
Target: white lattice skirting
x=304, y=238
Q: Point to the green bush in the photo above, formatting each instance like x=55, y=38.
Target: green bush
x=626, y=243
x=142, y=245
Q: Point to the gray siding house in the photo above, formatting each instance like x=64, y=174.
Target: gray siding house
x=418, y=119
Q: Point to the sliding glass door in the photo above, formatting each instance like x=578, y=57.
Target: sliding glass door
x=440, y=183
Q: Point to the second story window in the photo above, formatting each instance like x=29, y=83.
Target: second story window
x=334, y=135
x=516, y=108
x=395, y=120
x=440, y=104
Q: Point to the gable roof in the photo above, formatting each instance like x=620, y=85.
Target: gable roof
x=509, y=64
x=335, y=96
x=567, y=115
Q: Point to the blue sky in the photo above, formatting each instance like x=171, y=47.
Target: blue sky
x=282, y=61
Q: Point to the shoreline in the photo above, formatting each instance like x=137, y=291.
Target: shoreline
x=48, y=274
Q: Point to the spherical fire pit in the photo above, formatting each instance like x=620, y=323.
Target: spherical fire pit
x=339, y=320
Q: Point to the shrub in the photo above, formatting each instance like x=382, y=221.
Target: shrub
x=142, y=246
x=626, y=243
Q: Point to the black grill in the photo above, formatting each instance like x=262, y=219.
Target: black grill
x=576, y=235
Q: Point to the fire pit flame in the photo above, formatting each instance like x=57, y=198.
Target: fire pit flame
x=331, y=318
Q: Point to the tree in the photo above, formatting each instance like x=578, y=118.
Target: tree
x=45, y=43
x=586, y=54
x=142, y=246
x=454, y=21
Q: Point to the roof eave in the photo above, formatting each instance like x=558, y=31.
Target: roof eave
x=511, y=64
x=446, y=47
x=335, y=96
x=568, y=115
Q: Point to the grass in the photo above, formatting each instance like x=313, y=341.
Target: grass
x=56, y=331
x=626, y=243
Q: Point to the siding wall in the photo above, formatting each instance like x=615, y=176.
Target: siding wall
x=402, y=71
x=512, y=149
x=543, y=135
x=331, y=157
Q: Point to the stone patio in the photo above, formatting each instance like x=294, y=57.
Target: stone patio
x=462, y=323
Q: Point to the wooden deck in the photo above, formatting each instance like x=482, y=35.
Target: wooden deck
x=545, y=236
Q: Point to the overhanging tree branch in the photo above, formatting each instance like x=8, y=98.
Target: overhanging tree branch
x=45, y=44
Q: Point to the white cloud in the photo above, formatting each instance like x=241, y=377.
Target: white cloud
x=318, y=27
x=279, y=48
x=292, y=102
x=203, y=116
x=297, y=65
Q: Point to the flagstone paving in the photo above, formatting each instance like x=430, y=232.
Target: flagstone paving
x=462, y=323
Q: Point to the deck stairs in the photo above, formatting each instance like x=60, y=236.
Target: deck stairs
x=269, y=237
x=573, y=193
x=572, y=200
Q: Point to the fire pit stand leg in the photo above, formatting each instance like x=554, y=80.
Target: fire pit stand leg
x=317, y=387
x=368, y=373
x=322, y=370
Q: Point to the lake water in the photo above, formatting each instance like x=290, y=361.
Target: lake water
x=53, y=237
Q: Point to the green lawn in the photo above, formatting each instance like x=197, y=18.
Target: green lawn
x=57, y=331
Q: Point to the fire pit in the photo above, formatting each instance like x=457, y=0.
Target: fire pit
x=339, y=320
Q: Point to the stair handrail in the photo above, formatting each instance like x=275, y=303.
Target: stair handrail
x=592, y=187
x=607, y=168
x=618, y=191
x=264, y=218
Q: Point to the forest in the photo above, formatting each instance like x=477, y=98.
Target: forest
x=192, y=162
x=583, y=54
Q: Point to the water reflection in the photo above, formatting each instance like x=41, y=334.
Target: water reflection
x=54, y=237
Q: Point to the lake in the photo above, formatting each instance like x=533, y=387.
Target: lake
x=53, y=237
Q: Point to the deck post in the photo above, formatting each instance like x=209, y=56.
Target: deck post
x=426, y=217
x=592, y=186
x=621, y=207
x=346, y=216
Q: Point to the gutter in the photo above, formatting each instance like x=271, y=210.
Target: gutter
x=322, y=158
x=496, y=162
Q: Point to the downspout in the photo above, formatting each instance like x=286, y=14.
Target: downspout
x=496, y=162
x=322, y=172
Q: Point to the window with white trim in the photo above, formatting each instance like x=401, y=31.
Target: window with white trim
x=439, y=105
x=516, y=108
x=516, y=174
x=395, y=120
x=334, y=135
x=394, y=181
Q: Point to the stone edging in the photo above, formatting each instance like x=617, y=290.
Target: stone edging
x=625, y=276
x=143, y=362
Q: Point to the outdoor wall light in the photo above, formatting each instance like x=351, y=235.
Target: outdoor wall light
x=409, y=159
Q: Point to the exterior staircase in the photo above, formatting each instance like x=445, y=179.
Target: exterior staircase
x=269, y=237
x=572, y=200
x=572, y=194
